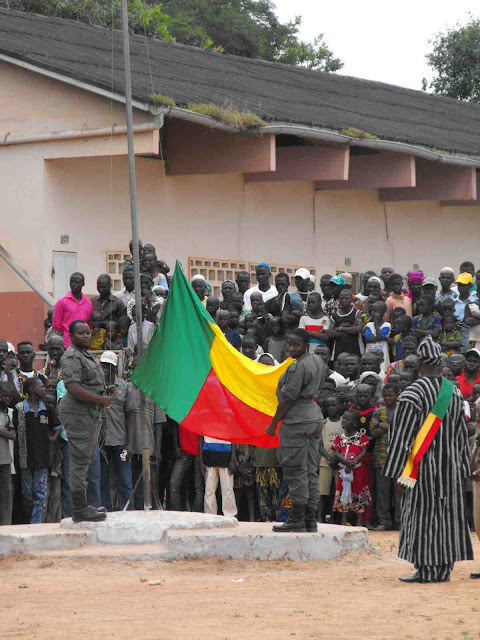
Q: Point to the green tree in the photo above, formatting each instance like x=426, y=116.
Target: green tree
x=143, y=17
x=248, y=28
x=455, y=59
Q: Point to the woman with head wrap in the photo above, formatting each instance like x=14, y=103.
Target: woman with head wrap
x=429, y=456
x=415, y=281
x=228, y=289
x=373, y=380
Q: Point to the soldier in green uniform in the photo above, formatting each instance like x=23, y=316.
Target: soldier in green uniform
x=300, y=432
x=81, y=412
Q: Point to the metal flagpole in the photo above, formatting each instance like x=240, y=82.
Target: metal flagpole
x=136, y=252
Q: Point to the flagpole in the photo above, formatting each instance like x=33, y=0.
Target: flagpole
x=136, y=253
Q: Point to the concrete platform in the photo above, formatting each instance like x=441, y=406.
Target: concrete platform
x=167, y=535
x=147, y=527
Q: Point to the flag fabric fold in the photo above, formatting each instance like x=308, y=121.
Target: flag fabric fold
x=194, y=374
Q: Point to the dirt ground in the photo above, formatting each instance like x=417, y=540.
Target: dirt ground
x=357, y=596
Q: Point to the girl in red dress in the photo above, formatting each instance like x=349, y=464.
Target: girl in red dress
x=350, y=448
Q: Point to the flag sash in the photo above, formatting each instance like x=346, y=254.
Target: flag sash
x=426, y=434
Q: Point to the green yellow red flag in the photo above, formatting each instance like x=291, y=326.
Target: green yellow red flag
x=200, y=380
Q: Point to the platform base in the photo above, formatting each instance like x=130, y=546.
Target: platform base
x=170, y=535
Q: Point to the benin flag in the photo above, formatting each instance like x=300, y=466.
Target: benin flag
x=194, y=374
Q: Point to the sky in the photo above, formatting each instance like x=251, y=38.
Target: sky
x=379, y=39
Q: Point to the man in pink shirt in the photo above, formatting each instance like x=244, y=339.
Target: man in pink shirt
x=397, y=298
x=73, y=306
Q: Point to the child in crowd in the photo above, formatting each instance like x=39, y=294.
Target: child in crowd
x=350, y=449
x=236, y=303
x=377, y=332
x=406, y=378
x=268, y=482
x=250, y=348
x=35, y=427
x=428, y=321
x=447, y=373
x=472, y=320
x=223, y=321
x=98, y=331
x=403, y=330
x=147, y=330
x=218, y=462
x=447, y=307
x=332, y=428
x=366, y=311
x=397, y=313
x=394, y=378
x=123, y=325
x=342, y=395
x=276, y=344
x=261, y=324
x=234, y=320
x=456, y=362
x=346, y=326
x=248, y=321
x=364, y=405
x=54, y=494
x=450, y=337
x=374, y=381
x=7, y=435
x=268, y=475
x=212, y=306
x=113, y=340
x=316, y=322
x=327, y=389
x=385, y=488
x=397, y=298
x=244, y=479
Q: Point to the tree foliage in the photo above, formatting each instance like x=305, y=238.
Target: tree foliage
x=248, y=28
x=455, y=58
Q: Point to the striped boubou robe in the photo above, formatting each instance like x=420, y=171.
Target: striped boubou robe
x=434, y=529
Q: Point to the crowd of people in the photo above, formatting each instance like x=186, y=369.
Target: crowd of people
x=51, y=466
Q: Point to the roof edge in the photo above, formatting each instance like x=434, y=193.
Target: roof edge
x=143, y=106
x=302, y=131
x=313, y=133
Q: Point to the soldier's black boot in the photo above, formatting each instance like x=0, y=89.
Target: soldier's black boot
x=88, y=514
x=295, y=522
x=81, y=512
x=311, y=519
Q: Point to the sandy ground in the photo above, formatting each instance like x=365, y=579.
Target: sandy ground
x=357, y=596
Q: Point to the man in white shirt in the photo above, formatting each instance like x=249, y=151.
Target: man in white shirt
x=128, y=291
x=268, y=291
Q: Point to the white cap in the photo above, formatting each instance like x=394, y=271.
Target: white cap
x=303, y=273
x=476, y=351
x=312, y=278
x=347, y=277
x=197, y=276
x=447, y=270
x=110, y=357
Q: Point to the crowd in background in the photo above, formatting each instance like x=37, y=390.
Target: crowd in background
x=368, y=341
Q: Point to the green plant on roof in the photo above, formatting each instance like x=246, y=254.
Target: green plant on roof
x=358, y=133
x=228, y=114
x=162, y=101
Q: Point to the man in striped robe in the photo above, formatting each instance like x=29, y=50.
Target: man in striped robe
x=434, y=531
x=476, y=496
